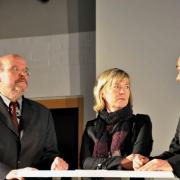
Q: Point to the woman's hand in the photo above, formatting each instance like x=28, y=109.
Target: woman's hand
x=139, y=161
x=127, y=162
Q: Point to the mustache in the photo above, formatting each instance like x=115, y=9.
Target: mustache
x=21, y=79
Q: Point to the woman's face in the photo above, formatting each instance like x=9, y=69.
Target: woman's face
x=117, y=95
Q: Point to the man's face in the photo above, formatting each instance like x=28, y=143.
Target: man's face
x=178, y=70
x=13, y=77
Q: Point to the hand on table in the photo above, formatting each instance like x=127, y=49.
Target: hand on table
x=139, y=160
x=129, y=163
x=59, y=164
x=156, y=165
x=13, y=174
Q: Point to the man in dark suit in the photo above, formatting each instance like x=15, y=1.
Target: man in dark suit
x=167, y=161
x=30, y=140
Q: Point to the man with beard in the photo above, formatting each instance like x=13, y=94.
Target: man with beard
x=27, y=134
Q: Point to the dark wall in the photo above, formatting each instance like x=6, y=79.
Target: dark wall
x=66, y=126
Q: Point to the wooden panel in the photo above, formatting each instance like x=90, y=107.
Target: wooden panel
x=67, y=102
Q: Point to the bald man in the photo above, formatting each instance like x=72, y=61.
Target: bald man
x=28, y=140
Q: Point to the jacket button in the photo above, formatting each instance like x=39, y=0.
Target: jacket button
x=19, y=163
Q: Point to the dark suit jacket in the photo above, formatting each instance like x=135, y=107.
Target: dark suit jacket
x=138, y=140
x=37, y=147
x=173, y=155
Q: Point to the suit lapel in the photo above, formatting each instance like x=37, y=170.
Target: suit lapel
x=5, y=117
x=27, y=113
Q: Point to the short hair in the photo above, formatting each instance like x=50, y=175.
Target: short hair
x=9, y=56
x=104, y=80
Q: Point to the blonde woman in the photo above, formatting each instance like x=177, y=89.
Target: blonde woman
x=116, y=135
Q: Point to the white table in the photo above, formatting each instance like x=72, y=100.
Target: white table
x=96, y=173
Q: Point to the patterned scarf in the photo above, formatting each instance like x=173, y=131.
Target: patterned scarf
x=110, y=132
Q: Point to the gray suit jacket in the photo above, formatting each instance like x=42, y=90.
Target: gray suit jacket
x=37, y=147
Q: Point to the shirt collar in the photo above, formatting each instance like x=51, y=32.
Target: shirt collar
x=7, y=101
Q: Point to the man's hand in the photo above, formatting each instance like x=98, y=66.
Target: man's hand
x=139, y=161
x=13, y=174
x=59, y=164
x=156, y=165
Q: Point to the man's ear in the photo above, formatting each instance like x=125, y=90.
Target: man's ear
x=0, y=77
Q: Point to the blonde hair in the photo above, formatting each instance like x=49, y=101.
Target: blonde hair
x=104, y=80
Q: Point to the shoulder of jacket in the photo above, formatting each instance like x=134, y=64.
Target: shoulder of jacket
x=91, y=122
x=34, y=104
x=142, y=118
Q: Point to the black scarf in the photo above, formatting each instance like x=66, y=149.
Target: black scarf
x=111, y=130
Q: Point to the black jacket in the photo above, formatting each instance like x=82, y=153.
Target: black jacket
x=173, y=155
x=139, y=140
x=37, y=147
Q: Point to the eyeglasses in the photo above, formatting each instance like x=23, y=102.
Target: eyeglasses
x=16, y=70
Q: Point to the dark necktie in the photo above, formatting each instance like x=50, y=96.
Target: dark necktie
x=12, y=109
